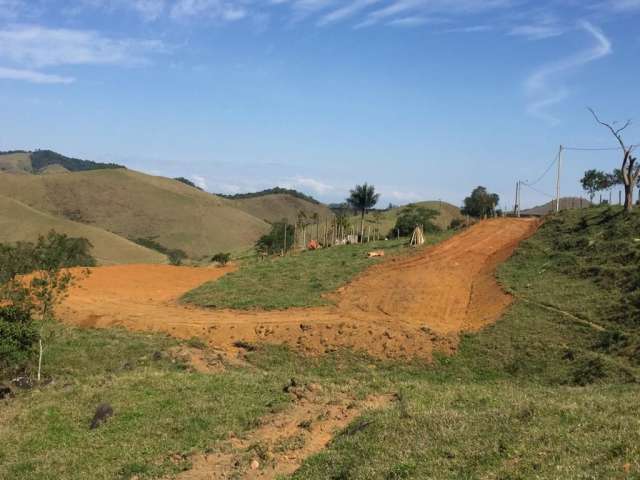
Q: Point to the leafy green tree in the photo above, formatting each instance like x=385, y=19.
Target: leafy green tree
x=481, y=203
x=274, y=241
x=595, y=181
x=413, y=216
x=362, y=199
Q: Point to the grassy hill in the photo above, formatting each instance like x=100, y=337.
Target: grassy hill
x=387, y=219
x=134, y=205
x=19, y=162
x=41, y=160
x=277, y=206
x=565, y=204
x=19, y=222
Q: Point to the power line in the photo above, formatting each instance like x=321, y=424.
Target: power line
x=539, y=191
x=599, y=149
x=544, y=174
x=593, y=149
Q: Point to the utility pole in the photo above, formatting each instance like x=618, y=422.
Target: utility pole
x=516, y=208
x=558, y=180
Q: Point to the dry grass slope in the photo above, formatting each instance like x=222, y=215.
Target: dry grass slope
x=15, y=163
x=19, y=222
x=276, y=207
x=135, y=205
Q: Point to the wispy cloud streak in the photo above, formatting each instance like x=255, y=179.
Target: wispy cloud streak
x=543, y=94
x=32, y=76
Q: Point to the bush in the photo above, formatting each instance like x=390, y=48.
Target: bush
x=456, y=224
x=176, y=257
x=55, y=250
x=413, y=216
x=274, y=241
x=18, y=336
x=19, y=300
x=221, y=258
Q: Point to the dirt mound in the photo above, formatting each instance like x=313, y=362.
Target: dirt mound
x=398, y=309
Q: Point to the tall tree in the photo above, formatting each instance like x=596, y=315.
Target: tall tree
x=629, y=170
x=362, y=199
x=481, y=203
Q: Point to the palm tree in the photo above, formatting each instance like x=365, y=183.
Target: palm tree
x=363, y=198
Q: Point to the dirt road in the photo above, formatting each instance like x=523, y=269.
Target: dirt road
x=400, y=308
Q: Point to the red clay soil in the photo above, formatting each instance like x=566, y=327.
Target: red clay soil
x=401, y=308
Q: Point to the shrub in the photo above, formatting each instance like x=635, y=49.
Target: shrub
x=456, y=224
x=221, y=258
x=413, y=216
x=47, y=259
x=274, y=241
x=18, y=336
x=176, y=257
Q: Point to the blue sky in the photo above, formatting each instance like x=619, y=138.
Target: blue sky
x=423, y=98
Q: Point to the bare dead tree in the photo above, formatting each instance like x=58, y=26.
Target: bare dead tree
x=629, y=170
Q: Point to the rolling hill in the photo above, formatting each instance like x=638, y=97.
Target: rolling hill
x=19, y=222
x=16, y=162
x=123, y=205
x=19, y=161
x=274, y=207
x=135, y=205
x=566, y=203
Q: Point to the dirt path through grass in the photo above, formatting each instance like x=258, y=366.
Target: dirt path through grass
x=284, y=440
x=400, y=308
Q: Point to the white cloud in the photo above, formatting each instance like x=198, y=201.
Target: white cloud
x=537, y=32
x=215, y=9
x=471, y=29
x=624, y=5
x=38, y=46
x=312, y=184
x=33, y=76
x=200, y=181
x=347, y=11
x=542, y=94
x=230, y=188
x=402, y=196
x=148, y=9
x=409, y=22
x=416, y=8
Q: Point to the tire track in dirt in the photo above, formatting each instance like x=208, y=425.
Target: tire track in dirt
x=401, y=308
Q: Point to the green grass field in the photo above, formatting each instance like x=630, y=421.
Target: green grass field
x=297, y=280
x=550, y=391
